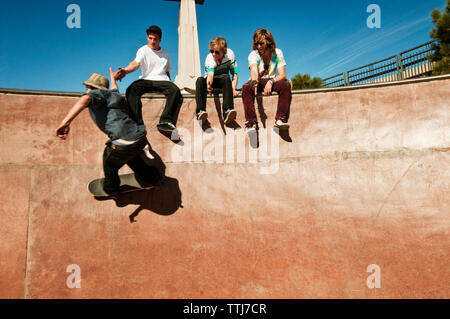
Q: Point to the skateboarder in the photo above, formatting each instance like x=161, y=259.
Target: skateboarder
x=127, y=139
x=155, y=65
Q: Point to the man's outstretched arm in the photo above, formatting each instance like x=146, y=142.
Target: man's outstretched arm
x=122, y=72
x=63, y=129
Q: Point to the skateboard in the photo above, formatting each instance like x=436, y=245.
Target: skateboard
x=128, y=183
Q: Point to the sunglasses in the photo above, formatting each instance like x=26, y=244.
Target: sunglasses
x=259, y=43
x=216, y=52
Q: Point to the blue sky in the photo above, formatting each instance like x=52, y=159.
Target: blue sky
x=322, y=38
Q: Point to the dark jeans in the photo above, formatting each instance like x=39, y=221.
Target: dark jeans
x=114, y=159
x=169, y=89
x=283, y=88
x=223, y=83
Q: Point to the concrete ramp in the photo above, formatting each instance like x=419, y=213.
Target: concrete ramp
x=351, y=202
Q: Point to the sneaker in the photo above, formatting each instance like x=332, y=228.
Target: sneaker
x=166, y=127
x=229, y=116
x=202, y=116
x=282, y=124
x=113, y=194
x=251, y=126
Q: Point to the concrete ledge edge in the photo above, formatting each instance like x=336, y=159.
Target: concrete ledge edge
x=295, y=92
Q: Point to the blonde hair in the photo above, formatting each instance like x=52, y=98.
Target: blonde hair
x=268, y=38
x=219, y=42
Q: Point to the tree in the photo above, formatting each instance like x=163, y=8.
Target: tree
x=441, y=55
x=301, y=82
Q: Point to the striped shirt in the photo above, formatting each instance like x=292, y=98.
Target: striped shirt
x=228, y=65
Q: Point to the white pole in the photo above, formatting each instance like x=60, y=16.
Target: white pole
x=188, y=49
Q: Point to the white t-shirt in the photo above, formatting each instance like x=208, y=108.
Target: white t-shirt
x=154, y=64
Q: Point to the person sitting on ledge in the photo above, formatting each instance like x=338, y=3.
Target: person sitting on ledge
x=220, y=62
x=127, y=139
x=155, y=65
x=264, y=61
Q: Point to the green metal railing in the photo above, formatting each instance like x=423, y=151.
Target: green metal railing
x=407, y=64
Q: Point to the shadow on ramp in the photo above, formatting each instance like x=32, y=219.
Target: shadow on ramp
x=233, y=125
x=284, y=134
x=164, y=199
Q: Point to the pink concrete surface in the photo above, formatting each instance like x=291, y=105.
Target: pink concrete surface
x=361, y=178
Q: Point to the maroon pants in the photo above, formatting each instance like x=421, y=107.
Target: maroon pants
x=283, y=88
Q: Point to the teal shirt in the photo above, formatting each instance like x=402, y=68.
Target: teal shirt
x=228, y=65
